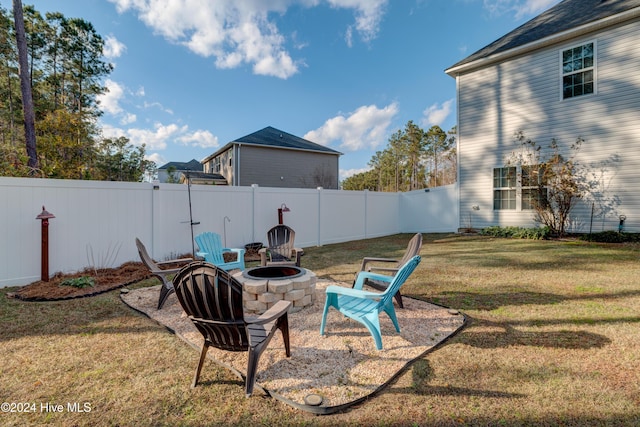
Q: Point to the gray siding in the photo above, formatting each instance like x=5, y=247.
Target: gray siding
x=270, y=167
x=525, y=94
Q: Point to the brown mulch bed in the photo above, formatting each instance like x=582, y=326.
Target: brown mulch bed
x=105, y=279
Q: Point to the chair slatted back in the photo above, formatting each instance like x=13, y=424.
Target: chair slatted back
x=413, y=249
x=146, y=259
x=398, y=280
x=211, y=243
x=281, y=242
x=212, y=299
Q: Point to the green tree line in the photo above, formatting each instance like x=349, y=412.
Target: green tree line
x=67, y=70
x=413, y=159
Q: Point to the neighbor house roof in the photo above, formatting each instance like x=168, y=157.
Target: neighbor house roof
x=192, y=165
x=198, y=177
x=568, y=18
x=275, y=138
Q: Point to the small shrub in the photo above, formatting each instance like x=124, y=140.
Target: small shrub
x=538, y=233
x=79, y=282
x=611, y=236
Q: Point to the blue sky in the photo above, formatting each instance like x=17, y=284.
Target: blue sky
x=192, y=75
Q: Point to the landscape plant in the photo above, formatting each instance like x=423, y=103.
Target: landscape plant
x=79, y=282
x=558, y=178
x=536, y=233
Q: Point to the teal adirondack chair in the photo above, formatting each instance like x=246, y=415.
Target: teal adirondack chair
x=211, y=249
x=364, y=306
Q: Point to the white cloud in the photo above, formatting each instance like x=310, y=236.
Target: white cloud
x=520, y=8
x=365, y=128
x=436, y=114
x=238, y=32
x=148, y=105
x=156, y=138
x=160, y=136
x=110, y=101
x=113, y=48
x=128, y=118
x=346, y=173
x=369, y=14
x=158, y=159
x=199, y=138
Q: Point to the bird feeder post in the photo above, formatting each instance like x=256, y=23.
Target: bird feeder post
x=44, y=217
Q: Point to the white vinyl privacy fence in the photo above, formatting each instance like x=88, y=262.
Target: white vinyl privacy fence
x=96, y=222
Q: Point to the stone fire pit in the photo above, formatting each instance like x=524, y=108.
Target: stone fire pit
x=264, y=286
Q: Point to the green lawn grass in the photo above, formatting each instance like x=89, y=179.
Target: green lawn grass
x=553, y=339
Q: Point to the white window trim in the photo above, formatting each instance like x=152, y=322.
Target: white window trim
x=508, y=188
x=595, y=69
x=517, y=188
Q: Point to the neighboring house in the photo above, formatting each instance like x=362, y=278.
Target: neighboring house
x=572, y=72
x=177, y=173
x=202, y=178
x=273, y=158
x=172, y=171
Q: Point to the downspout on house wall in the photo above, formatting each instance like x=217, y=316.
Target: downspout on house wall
x=236, y=175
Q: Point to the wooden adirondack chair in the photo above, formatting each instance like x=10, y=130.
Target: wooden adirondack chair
x=280, y=249
x=393, y=265
x=212, y=251
x=156, y=270
x=364, y=306
x=212, y=299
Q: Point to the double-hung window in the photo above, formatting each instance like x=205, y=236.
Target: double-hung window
x=578, y=70
x=504, y=188
x=518, y=188
x=532, y=187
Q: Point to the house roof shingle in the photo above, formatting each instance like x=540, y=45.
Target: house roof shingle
x=199, y=177
x=273, y=137
x=192, y=165
x=564, y=16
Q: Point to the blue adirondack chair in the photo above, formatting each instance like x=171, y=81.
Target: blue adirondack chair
x=366, y=307
x=211, y=249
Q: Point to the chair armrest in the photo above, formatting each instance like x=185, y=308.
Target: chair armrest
x=173, y=261
x=358, y=293
x=387, y=269
x=368, y=275
x=263, y=256
x=239, y=252
x=166, y=272
x=278, y=309
x=202, y=254
x=367, y=260
x=297, y=253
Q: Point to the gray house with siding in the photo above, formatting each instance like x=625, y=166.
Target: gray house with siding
x=177, y=172
x=274, y=158
x=571, y=72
